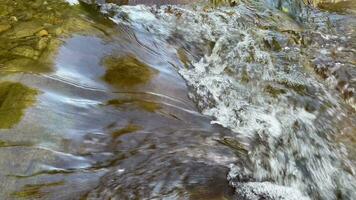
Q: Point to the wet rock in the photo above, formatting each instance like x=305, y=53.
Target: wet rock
x=237, y=146
x=172, y=179
x=183, y=57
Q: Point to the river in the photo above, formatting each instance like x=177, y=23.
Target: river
x=253, y=100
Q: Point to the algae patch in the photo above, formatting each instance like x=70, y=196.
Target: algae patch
x=15, y=98
x=128, y=129
x=35, y=191
x=126, y=71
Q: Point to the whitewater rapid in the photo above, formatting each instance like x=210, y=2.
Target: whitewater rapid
x=248, y=67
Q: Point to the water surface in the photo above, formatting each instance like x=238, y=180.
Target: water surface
x=176, y=102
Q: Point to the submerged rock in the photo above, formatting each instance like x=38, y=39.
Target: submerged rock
x=5, y=10
x=42, y=33
x=148, y=106
x=25, y=29
x=42, y=43
x=35, y=190
x=126, y=71
x=4, y=27
x=15, y=98
x=26, y=51
x=130, y=128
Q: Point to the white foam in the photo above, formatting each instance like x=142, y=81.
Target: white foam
x=289, y=145
x=257, y=190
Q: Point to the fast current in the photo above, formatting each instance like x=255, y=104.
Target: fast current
x=268, y=71
x=253, y=100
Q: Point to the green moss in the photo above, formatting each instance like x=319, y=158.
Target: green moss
x=34, y=191
x=128, y=129
x=145, y=105
x=15, y=98
x=126, y=71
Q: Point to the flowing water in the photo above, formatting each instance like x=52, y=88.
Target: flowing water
x=188, y=101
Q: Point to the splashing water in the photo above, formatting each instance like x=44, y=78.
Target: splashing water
x=94, y=105
x=250, y=68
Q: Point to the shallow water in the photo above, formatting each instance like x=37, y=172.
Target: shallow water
x=177, y=102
